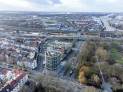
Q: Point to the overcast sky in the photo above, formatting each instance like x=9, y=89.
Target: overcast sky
x=62, y=5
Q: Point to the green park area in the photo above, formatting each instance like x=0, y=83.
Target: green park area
x=118, y=56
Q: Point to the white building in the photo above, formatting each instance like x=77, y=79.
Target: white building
x=16, y=83
x=2, y=77
x=61, y=44
x=28, y=63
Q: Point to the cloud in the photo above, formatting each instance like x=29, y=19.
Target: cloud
x=62, y=5
x=18, y=3
x=70, y=5
x=15, y=5
x=46, y=2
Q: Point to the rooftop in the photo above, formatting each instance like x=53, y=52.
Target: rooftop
x=11, y=84
x=53, y=53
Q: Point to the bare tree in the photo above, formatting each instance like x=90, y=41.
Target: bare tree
x=102, y=54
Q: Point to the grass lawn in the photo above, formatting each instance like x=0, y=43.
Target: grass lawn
x=116, y=55
x=119, y=61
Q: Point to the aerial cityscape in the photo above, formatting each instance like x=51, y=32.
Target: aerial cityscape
x=61, y=48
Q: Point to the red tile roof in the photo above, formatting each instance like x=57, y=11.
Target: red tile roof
x=10, y=85
x=18, y=72
x=4, y=72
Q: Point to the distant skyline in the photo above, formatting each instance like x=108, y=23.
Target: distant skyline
x=62, y=5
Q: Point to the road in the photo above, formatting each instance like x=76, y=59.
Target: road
x=41, y=58
x=70, y=75
x=106, y=25
x=67, y=78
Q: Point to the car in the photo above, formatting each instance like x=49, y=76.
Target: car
x=9, y=66
x=30, y=73
x=24, y=70
x=39, y=62
x=71, y=72
x=28, y=83
x=19, y=69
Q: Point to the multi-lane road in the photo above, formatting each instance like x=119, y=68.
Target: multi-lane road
x=105, y=20
x=70, y=75
x=59, y=73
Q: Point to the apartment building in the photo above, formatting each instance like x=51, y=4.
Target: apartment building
x=16, y=82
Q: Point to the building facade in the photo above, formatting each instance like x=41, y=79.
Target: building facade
x=16, y=82
x=52, y=59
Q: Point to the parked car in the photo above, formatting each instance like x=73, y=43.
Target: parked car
x=19, y=69
x=24, y=70
x=9, y=66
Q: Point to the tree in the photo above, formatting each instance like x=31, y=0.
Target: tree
x=111, y=60
x=84, y=69
x=102, y=54
x=109, y=70
x=87, y=51
x=39, y=88
x=96, y=78
x=24, y=89
x=82, y=78
x=121, y=77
